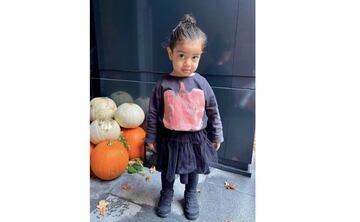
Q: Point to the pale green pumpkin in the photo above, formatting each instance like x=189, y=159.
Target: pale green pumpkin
x=101, y=130
x=121, y=97
x=143, y=102
x=102, y=108
x=129, y=115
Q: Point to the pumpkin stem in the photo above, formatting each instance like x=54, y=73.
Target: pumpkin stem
x=110, y=142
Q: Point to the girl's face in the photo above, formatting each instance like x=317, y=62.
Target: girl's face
x=185, y=57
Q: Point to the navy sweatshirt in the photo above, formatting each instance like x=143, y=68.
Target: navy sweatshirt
x=184, y=104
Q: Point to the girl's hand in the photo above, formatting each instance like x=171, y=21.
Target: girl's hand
x=217, y=146
x=151, y=146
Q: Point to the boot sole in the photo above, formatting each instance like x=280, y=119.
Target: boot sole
x=192, y=217
x=162, y=215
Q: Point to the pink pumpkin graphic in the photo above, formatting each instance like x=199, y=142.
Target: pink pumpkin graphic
x=183, y=111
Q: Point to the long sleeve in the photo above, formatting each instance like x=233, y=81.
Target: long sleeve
x=214, y=125
x=153, y=114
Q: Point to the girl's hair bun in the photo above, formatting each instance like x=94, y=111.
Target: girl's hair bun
x=186, y=29
x=188, y=19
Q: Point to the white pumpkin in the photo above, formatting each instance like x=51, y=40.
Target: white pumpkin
x=101, y=130
x=121, y=97
x=102, y=108
x=143, y=102
x=129, y=115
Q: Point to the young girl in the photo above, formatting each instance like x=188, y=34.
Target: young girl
x=184, y=125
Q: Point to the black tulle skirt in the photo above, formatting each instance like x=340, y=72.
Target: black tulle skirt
x=183, y=153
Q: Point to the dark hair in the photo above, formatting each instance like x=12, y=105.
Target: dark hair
x=186, y=29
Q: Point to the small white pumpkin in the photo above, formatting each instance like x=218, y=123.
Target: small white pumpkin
x=121, y=97
x=101, y=130
x=143, y=102
x=129, y=115
x=102, y=108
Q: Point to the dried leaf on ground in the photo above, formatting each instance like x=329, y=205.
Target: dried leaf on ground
x=134, y=169
x=148, y=178
x=152, y=169
x=141, y=172
x=227, y=220
x=125, y=187
x=102, y=206
x=135, y=165
x=135, y=162
x=229, y=185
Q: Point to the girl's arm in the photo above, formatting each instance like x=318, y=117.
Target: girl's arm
x=153, y=115
x=214, y=125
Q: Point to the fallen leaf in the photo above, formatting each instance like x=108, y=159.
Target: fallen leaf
x=229, y=185
x=131, y=169
x=232, y=186
x=148, y=178
x=135, y=165
x=102, y=206
x=227, y=220
x=126, y=187
x=152, y=169
x=141, y=172
x=135, y=162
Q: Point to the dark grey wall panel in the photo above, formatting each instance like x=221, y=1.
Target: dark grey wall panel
x=137, y=29
x=245, y=39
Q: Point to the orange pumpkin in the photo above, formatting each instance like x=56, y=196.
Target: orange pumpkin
x=135, y=138
x=92, y=147
x=109, y=159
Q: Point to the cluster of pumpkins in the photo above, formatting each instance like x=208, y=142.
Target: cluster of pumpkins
x=116, y=133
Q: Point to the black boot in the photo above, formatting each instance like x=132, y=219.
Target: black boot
x=191, y=207
x=164, y=205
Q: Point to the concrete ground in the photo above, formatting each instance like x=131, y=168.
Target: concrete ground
x=139, y=202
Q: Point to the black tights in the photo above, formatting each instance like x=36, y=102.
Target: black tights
x=191, y=184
